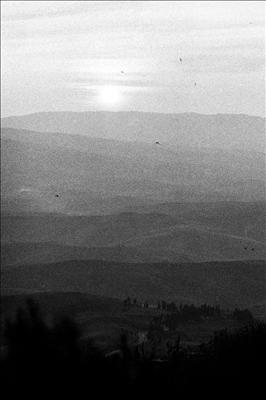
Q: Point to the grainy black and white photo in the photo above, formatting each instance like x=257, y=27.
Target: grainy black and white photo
x=133, y=204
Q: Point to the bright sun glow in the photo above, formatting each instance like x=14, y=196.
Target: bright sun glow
x=109, y=95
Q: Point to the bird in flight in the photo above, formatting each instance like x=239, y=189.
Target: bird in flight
x=157, y=143
x=180, y=59
x=57, y=195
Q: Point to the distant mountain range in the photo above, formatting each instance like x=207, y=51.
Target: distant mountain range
x=135, y=204
x=198, y=195
x=220, y=131
x=95, y=176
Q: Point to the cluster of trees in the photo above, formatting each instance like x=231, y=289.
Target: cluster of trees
x=134, y=302
x=173, y=314
x=204, y=309
x=189, y=312
x=242, y=315
x=130, y=302
x=42, y=359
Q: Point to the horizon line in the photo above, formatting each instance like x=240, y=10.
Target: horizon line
x=129, y=112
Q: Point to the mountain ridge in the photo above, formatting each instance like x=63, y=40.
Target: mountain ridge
x=132, y=112
x=220, y=130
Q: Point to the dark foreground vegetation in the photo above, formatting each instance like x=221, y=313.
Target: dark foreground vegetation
x=44, y=360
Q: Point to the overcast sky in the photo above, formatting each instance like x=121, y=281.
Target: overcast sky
x=205, y=57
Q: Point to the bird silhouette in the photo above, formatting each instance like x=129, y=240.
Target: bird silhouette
x=157, y=143
x=57, y=195
x=180, y=59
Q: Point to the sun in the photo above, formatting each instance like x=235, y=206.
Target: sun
x=109, y=95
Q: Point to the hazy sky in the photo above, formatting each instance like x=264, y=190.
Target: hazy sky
x=126, y=56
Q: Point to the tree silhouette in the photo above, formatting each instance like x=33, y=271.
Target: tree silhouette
x=44, y=358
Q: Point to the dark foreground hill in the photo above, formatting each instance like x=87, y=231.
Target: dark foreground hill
x=102, y=319
x=53, y=358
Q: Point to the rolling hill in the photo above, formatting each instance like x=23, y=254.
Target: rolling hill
x=192, y=232
x=94, y=175
x=229, y=284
